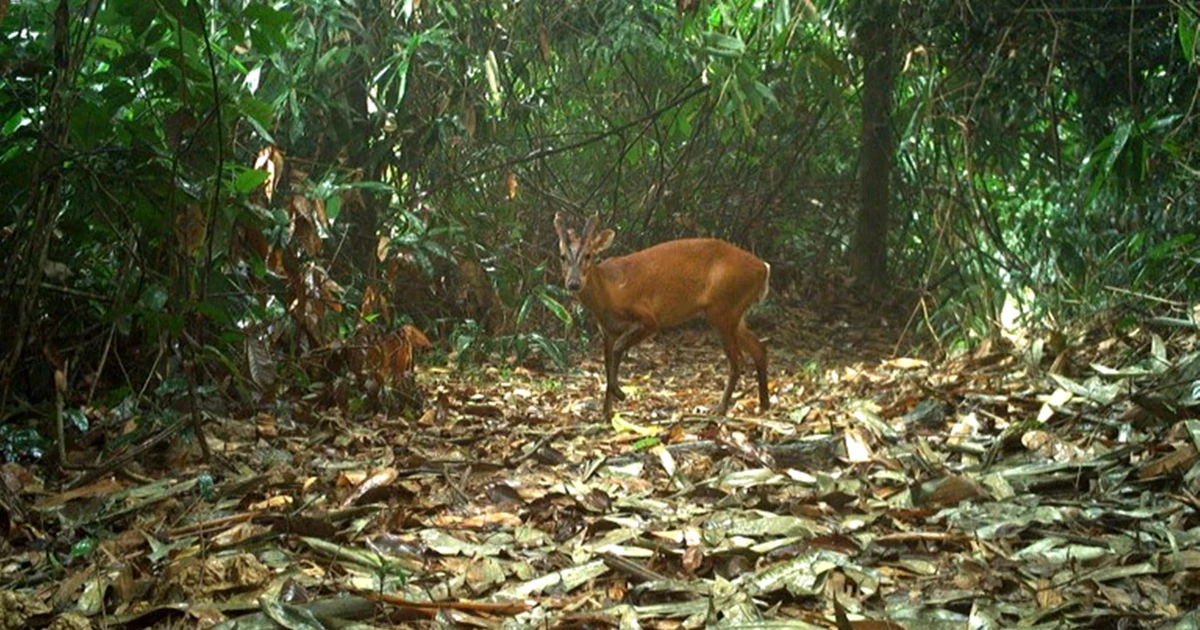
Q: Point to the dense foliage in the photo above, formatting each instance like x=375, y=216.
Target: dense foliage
x=214, y=187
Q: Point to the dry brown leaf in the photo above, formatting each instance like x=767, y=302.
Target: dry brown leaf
x=277, y=502
x=101, y=488
x=1178, y=461
x=350, y=478
x=477, y=522
x=381, y=248
x=510, y=185
x=303, y=226
x=1047, y=595
x=191, y=229
x=469, y=118
x=544, y=42
x=378, y=480
x=238, y=534
x=269, y=159
x=905, y=363
x=858, y=450
x=949, y=491
x=372, y=303
x=265, y=425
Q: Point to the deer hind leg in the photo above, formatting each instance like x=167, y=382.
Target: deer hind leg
x=758, y=353
x=729, y=341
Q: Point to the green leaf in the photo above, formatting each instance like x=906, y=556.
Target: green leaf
x=722, y=45
x=154, y=298
x=333, y=57
x=142, y=17
x=176, y=10
x=109, y=44
x=83, y=547
x=781, y=17
x=555, y=350
x=206, y=486
x=646, y=443
x=523, y=311
x=764, y=91
x=249, y=179
x=77, y=418
x=1116, y=144
x=267, y=29
x=1167, y=248
x=555, y=307
x=17, y=120
x=90, y=123
x=1188, y=25
x=333, y=207
x=260, y=115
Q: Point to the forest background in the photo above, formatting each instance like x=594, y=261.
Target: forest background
x=230, y=188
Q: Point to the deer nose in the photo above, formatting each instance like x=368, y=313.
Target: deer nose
x=574, y=285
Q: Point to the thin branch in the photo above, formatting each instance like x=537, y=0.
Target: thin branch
x=547, y=152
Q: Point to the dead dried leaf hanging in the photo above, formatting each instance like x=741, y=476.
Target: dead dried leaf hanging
x=469, y=119
x=270, y=160
x=381, y=248
x=415, y=337
x=191, y=227
x=510, y=185
x=261, y=367
x=544, y=42
x=372, y=303
x=303, y=227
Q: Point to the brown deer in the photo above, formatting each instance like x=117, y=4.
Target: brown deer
x=633, y=296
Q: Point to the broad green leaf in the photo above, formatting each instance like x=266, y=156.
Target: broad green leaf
x=724, y=45
x=781, y=17
x=556, y=307
x=153, y=298
x=83, y=547
x=1119, y=139
x=259, y=115
x=249, y=180
x=333, y=207
x=14, y=122
x=77, y=418
x=1188, y=26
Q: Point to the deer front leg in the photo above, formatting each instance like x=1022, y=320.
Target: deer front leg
x=628, y=338
x=614, y=353
x=612, y=391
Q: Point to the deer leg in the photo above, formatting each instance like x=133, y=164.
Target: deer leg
x=610, y=377
x=732, y=352
x=614, y=353
x=758, y=353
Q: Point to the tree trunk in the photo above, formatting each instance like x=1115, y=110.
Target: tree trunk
x=868, y=251
x=362, y=219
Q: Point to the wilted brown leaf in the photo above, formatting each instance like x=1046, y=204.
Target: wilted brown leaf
x=269, y=159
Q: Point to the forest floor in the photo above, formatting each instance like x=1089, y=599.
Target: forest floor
x=1047, y=486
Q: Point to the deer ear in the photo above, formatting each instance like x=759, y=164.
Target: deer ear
x=601, y=241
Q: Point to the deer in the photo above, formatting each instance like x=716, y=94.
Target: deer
x=634, y=296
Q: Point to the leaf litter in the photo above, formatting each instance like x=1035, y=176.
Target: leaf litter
x=1000, y=488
